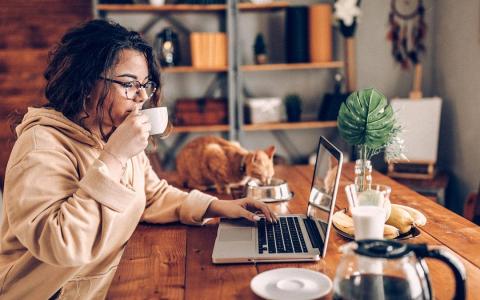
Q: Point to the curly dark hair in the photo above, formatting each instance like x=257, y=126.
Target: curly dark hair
x=78, y=60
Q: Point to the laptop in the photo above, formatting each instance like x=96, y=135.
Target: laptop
x=294, y=237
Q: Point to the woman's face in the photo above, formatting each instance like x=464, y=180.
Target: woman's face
x=131, y=66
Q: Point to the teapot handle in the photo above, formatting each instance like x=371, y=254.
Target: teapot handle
x=447, y=257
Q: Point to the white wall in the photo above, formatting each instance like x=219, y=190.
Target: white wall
x=456, y=78
x=376, y=67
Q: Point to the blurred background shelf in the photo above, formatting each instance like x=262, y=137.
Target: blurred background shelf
x=290, y=126
x=260, y=7
x=188, y=7
x=257, y=68
x=191, y=69
x=200, y=128
x=297, y=66
x=237, y=79
x=160, y=8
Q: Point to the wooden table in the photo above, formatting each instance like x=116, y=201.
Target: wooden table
x=174, y=261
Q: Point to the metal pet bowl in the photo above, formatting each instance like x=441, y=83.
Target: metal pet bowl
x=277, y=190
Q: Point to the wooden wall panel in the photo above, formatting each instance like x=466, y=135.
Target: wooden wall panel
x=19, y=103
x=31, y=84
x=15, y=61
x=5, y=132
x=28, y=30
x=47, y=10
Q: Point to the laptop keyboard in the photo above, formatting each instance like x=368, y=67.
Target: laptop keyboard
x=285, y=236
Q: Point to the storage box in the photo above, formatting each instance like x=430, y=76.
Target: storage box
x=208, y=49
x=201, y=111
x=265, y=110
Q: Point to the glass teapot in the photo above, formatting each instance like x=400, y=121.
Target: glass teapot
x=383, y=270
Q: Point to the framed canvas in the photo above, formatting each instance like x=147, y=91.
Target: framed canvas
x=420, y=120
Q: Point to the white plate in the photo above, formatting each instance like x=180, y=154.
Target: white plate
x=291, y=283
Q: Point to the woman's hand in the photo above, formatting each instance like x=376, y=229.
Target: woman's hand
x=240, y=208
x=130, y=138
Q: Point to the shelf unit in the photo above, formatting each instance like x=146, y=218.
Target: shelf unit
x=297, y=66
x=278, y=130
x=257, y=68
x=190, y=69
x=290, y=126
x=200, y=128
x=188, y=7
x=235, y=129
x=162, y=8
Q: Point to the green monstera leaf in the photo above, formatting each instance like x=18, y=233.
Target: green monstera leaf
x=366, y=119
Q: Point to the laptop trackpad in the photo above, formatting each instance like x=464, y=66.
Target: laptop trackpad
x=236, y=235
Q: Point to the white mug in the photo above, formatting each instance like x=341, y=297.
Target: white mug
x=368, y=222
x=158, y=117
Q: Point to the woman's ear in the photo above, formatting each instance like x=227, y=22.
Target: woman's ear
x=270, y=151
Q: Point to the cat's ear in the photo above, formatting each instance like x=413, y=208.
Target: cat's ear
x=270, y=151
x=254, y=156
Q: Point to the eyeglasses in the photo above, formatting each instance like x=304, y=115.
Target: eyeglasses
x=132, y=88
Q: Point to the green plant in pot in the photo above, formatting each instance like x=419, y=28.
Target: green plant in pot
x=367, y=121
x=293, y=106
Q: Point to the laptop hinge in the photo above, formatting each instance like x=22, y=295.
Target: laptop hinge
x=313, y=233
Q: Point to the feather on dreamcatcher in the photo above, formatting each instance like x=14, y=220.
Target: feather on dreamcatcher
x=407, y=31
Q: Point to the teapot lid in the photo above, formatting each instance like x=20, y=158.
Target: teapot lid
x=382, y=248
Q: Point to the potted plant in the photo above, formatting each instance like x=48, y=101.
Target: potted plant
x=260, y=50
x=293, y=106
x=367, y=121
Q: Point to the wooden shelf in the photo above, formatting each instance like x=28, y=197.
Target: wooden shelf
x=300, y=66
x=290, y=126
x=258, y=127
x=257, y=68
x=160, y=8
x=188, y=7
x=200, y=128
x=266, y=6
x=190, y=69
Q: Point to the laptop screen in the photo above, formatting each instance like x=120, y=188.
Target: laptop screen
x=324, y=188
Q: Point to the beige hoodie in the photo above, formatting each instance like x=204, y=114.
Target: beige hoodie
x=65, y=222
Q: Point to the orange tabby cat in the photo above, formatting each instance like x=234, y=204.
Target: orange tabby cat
x=211, y=160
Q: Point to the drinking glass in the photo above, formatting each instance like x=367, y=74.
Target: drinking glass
x=377, y=195
x=370, y=209
x=368, y=222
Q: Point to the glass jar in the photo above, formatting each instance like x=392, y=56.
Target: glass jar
x=363, y=174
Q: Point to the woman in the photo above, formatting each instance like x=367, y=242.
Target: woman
x=78, y=180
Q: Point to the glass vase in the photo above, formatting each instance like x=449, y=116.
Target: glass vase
x=363, y=174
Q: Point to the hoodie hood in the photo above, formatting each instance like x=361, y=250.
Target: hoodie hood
x=55, y=119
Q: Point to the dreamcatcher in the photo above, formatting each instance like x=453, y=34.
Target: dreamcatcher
x=407, y=31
